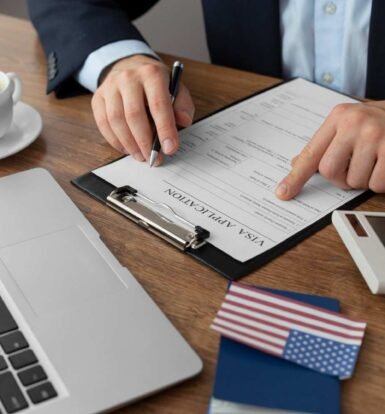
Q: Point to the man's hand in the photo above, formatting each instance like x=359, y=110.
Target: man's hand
x=348, y=150
x=132, y=99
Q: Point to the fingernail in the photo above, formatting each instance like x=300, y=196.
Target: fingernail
x=138, y=156
x=184, y=119
x=168, y=146
x=188, y=115
x=281, y=190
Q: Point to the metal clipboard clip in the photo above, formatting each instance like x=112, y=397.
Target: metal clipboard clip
x=175, y=229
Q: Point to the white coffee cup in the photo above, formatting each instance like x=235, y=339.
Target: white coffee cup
x=10, y=92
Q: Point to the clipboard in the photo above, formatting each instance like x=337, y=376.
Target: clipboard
x=191, y=238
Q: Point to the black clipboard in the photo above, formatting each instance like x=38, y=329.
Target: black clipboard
x=206, y=253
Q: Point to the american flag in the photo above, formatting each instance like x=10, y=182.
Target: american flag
x=321, y=340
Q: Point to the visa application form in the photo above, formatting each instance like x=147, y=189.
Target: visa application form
x=227, y=168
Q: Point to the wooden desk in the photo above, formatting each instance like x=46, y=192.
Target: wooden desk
x=188, y=292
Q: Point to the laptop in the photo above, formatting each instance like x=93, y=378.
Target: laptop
x=78, y=334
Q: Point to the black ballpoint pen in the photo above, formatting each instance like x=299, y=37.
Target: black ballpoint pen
x=175, y=77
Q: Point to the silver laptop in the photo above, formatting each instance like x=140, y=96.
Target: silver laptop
x=78, y=334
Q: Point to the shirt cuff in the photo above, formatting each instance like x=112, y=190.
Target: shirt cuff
x=99, y=59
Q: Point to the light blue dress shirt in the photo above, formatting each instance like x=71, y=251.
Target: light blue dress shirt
x=327, y=42
x=98, y=60
x=323, y=41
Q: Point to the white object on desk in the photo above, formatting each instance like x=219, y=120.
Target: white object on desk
x=26, y=127
x=224, y=176
x=363, y=233
x=99, y=337
x=10, y=93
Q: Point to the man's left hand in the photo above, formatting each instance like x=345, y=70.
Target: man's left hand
x=348, y=150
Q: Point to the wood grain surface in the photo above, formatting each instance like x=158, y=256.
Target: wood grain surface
x=188, y=292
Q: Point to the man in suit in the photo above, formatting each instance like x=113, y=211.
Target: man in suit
x=336, y=43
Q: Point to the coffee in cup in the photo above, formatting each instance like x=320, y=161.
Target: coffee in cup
x=10, y=92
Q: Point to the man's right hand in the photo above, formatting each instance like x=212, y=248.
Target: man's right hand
x=133, y=98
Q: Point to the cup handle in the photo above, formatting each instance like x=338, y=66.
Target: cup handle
x=17, y=86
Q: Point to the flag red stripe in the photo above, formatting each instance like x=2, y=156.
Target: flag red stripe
x=299, y=323
x=297, y=312
x=254, y=328
x=256, y=319
x=297, y=302
x=220, y=327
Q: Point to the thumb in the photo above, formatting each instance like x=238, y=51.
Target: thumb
x=184, y=107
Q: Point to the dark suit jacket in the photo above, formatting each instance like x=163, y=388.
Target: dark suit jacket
x=243, y=34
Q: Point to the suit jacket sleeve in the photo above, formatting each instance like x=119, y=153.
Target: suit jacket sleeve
x=71, y=29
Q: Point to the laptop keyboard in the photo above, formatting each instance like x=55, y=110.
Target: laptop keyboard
x=23, y=381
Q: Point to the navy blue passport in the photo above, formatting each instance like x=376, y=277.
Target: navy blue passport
x=247, y=376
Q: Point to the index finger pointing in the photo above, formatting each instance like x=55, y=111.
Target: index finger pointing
x=307, y=162
x=162, y=112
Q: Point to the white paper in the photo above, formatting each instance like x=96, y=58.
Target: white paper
x=224, y=176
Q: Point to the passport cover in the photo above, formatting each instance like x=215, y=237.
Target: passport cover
x=247, y=376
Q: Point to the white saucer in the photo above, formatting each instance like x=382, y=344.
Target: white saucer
x=26, y=127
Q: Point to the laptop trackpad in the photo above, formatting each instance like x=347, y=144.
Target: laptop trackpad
x=59, y=270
